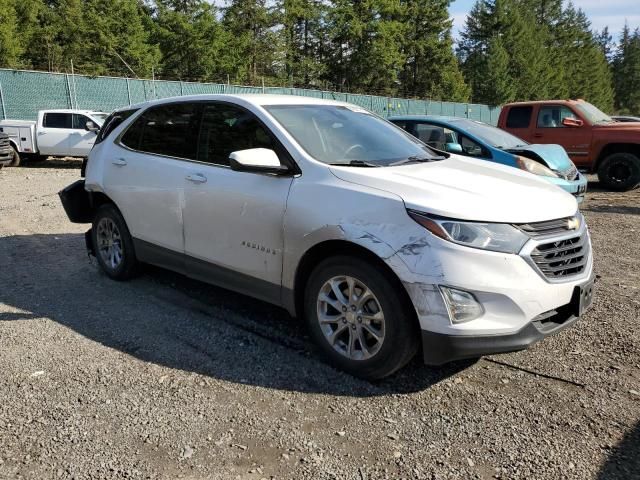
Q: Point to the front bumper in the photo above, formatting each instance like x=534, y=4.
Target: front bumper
x=577, y=187
x=439, y=348
x=6, y=157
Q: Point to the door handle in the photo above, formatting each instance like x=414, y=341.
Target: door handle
x=41, y=133
x=197, y=178
x=537, y=135
x=120, y=162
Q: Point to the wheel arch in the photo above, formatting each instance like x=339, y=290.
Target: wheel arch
x=611, y=148
x=330, y=248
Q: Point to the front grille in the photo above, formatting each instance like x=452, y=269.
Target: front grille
x=547, y=228
x=4, y=141
x=562, y=258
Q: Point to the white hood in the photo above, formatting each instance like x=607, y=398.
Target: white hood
x=468, y=190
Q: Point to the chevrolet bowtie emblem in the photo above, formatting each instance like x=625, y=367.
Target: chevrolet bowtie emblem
x=573, y=223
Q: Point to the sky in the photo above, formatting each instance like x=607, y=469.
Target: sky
x=601, y=13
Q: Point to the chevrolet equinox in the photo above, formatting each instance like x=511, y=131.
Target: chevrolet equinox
x=382, y=245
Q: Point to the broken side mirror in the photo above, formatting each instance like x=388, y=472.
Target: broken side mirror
x=258, y=160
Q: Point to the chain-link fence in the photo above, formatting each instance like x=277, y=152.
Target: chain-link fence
x=23, y=93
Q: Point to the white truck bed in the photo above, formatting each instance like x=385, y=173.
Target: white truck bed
x=21, y=132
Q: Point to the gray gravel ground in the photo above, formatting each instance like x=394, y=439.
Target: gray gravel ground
x=164, y=377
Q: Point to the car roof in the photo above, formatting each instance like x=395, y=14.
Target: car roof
x=257, y=99
x=431, y=118
x=69, y=110
x=547, y=102
x=434, y=119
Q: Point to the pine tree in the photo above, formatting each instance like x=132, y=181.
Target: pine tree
x=606, y=43
x=587, y=72
x=365, y=42
x=191, y=41
x=253, y=42
x=551, y=52
x=11, y=47
x=626, y=67
x=120, y=42
x=528, y=70
x=303, y=32
x=431, y=69
x=497, y=86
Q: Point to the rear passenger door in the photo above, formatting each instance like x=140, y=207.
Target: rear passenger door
x=233, y=221
x=144, y=175
x=54, y=132
x=519, y=122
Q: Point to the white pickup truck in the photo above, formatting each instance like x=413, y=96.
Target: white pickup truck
x=56, y=133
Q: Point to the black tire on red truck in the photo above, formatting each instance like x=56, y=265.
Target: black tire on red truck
x=620, y=171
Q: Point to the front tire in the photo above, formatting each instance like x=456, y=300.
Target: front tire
x=620, y=172
x=359, y=317
x=113, y=244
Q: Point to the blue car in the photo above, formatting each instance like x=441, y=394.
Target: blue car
x=485, y=142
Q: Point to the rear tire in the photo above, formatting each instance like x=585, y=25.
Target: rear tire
x=113, y=244
x=16, y=158
x=620, y=172
x=372, y=331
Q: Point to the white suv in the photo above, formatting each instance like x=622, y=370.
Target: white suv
x=381, y=244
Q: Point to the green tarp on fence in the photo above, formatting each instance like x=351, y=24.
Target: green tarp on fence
x=23, y=93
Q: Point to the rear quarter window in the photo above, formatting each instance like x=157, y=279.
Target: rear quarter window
x=519, y=117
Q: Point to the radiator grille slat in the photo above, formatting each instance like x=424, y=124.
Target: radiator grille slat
x=562, y=258
x=545, y=229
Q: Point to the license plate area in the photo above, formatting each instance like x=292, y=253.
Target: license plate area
x=585, y=296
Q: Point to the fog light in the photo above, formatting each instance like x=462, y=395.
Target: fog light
x=462, y=306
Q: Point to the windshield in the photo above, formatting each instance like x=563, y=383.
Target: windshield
x=593, y=113
x=490, y=135
x=337, y=134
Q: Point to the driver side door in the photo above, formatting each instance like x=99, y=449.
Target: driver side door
x=81, y=140
x=549, y=129
x=233, y=221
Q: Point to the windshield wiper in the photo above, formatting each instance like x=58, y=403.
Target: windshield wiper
x=416, y=159
x=355, y=163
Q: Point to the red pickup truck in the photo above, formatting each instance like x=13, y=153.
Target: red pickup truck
x=594, y=141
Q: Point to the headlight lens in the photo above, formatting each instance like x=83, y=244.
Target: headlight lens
x=534, y=167
x=497, y=237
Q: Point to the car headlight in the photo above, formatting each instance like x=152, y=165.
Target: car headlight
x=534, y=167
x=497, y=237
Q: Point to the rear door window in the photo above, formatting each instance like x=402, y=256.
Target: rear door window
x=169, y=130
x=57, y=120
x=519, y=117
